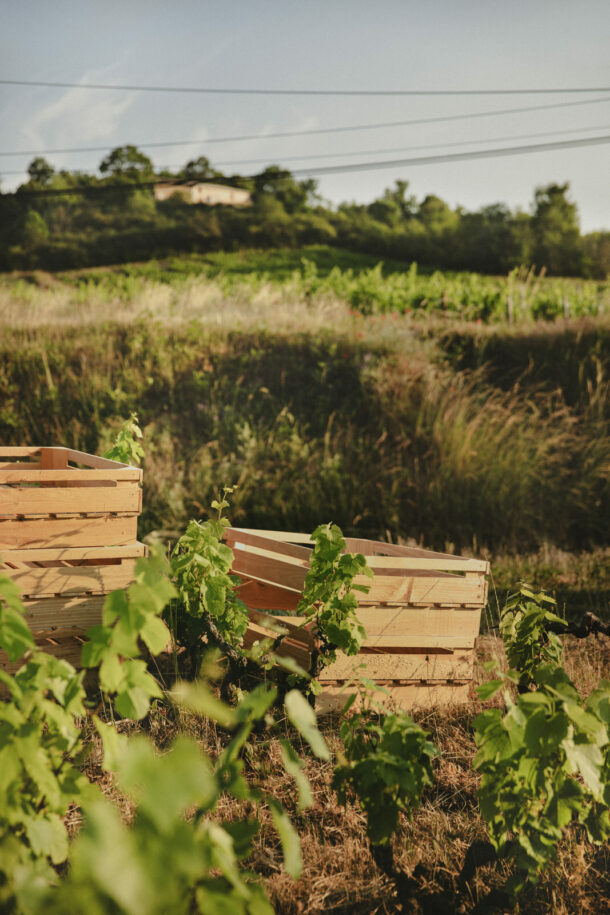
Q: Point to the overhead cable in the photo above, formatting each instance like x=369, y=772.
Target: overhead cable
x=345, y=168
x=209, y=90
x=451, y=157
x=315, y=131
x=378, y=152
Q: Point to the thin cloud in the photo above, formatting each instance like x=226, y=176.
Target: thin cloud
x=77, y=117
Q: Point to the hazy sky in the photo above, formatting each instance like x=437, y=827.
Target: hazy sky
x=340, y=44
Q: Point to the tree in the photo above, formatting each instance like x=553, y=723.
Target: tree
x=279, y=183
x=41, y=171
x=556, y=231
x=394, y=207
x=200, y=170
x=127, y=162
x=436, y=215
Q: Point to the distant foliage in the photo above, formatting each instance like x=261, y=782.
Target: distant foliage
x=122, y=222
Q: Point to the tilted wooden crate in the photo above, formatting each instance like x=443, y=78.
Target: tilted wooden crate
x=68, y=536
x=422, y=614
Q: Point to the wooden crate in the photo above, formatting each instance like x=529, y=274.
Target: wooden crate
x=68, y=536
x=422, y=614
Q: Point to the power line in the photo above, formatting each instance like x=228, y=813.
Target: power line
x=207, y=90
x=381, y=152
x=316, y=131
x=385, y=151
x=451, y=157
x=344, y=168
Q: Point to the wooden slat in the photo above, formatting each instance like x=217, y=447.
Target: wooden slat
x=235, y=537
x=96, y=579
x=7, y=451
x=458, y=666
x=66, y=475
x=21, y=500
x=282, y=536
x=18, y=465
x=385, y=565
x=419, y=589
x=68, y=532
x=68, y=649
x=62, y=613
x=258, y=595
x=421, y=560
x=379, y=548
x=410, y=696
x=101, y=463
x=377, y=553
x=69, y=554
x=274, y=571
x=431, y=642
x=415, y=621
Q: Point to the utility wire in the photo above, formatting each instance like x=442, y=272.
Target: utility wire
x=380, y=152
x=344, y=168
x=451, y=157
x=206, y=90
x=383, y=152
x=316, y=131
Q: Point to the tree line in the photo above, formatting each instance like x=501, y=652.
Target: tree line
x=60, y=219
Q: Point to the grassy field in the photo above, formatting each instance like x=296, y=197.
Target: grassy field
x=324, y=393
x=421, y=426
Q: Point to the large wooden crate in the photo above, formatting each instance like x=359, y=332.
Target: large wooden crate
x=422, y=615
x=68, y=536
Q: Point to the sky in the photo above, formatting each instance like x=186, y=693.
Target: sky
x=335, y=44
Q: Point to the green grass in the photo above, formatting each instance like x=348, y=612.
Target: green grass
x=451, y=433
x=361, y=282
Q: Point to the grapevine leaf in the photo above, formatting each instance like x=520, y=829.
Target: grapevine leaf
x=289, y=838
x=294, y=767
x=303, y=718
x=587, y=759
x=489, y=689
x=15, y=635
x=200, y=699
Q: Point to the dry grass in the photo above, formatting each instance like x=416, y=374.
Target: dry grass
x=339, y=874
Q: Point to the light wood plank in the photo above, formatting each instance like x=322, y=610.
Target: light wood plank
x=417, y=589
x=66, y=475
x=396, y=563
x=101, y=463
x=457, y=666
x=380, y=548
x=427, y=622
x=411, y=696
x=21, y=500
x=95, y=579
x=236, y=538
x=274, y=571
x=44, y=614
x=7, y=451
x=282, y=536
x=68, y=649
x=68, y=532
x=258, y=595
x=70, y=554
x=431, y=642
